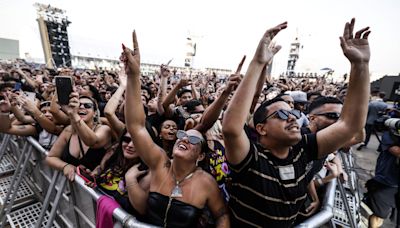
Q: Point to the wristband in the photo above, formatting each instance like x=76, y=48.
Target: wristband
x=64, y=167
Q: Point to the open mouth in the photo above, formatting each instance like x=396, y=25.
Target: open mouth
x=292, y=127
x=82, y=112
x=182, y=146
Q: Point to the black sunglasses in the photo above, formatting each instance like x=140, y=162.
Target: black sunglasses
x=330, y=115
x=283, y=114
x=87, y=105
x=191, y=138
x=126, y=139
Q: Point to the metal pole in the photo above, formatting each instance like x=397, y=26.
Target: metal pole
x=326, y=212
x=4, y=144
x=346, y=204
x=14, y=187
x=18, y=167
x=56, y=202
x=47, y=199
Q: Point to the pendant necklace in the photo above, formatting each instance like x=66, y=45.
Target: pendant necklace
x=177, y=190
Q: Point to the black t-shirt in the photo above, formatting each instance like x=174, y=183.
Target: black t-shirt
x=315, y=166
x=268, y=191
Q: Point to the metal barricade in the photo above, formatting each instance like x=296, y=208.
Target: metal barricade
x=41, y=216
x=326, y=212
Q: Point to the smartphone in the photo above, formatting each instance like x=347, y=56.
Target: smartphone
x=30, y=95
x=86, y=176
x=17, y=86
x=64, y=89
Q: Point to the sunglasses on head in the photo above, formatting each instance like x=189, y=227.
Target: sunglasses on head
x=87, y=105
x=283, y=114
x=330, y=115
x=191, y=138
x=126, y=139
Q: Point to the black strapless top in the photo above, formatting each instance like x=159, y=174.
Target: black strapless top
x=179, y=214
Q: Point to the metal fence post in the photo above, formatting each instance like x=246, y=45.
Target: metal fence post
x=16, y=181
x=3, y=146
x=56, y=202
x=47, y=199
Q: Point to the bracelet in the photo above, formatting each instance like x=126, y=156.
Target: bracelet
x=64, y=167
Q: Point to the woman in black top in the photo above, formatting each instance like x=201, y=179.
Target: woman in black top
x=81, y=143
x=178, y=188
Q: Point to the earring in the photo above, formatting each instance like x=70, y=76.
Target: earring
x=197, y=162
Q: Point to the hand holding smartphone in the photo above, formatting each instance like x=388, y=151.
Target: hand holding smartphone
x=64, y=89
x=86, y=176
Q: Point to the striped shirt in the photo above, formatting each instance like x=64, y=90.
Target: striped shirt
x=268, y=191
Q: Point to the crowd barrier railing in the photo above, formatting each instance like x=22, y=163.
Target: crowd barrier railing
x=58, y=182
x=326, y=212
x=66, y=191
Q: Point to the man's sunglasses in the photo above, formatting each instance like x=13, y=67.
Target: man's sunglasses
x=283, y=114
x=330, y=115
x=126, y=139
x=87, y=105
x=191, y=138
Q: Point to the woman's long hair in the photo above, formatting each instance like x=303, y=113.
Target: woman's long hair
x=117, y=162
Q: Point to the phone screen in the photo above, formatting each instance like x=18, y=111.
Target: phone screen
x=64, y=89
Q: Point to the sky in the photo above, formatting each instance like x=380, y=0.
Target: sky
x=225, y=30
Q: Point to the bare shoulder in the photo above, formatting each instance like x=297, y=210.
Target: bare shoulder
x=206, y=178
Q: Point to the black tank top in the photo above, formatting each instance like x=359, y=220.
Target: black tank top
x=179, y=214
x=91, y=159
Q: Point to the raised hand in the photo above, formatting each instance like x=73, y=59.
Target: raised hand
x=164, y=71
x=5, y=105
x=356, y=48
x=184, y=80
x=266, y=50
x=28, y=105
x=73, y=106
x=131, y=58
x=234, y=79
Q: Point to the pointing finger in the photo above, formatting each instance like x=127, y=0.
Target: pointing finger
x=351, y=27
x=239, y=68
x=135, y=42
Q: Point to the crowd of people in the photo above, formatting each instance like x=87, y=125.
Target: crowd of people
x=190, y=149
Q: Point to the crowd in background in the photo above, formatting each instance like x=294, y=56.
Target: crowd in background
x=178, y=149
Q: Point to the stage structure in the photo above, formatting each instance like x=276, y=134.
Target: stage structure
x=53, y=25
x=293, y=57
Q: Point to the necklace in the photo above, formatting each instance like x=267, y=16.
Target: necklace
x=177, y=190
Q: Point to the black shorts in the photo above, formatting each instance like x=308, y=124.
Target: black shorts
x=381, y=198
